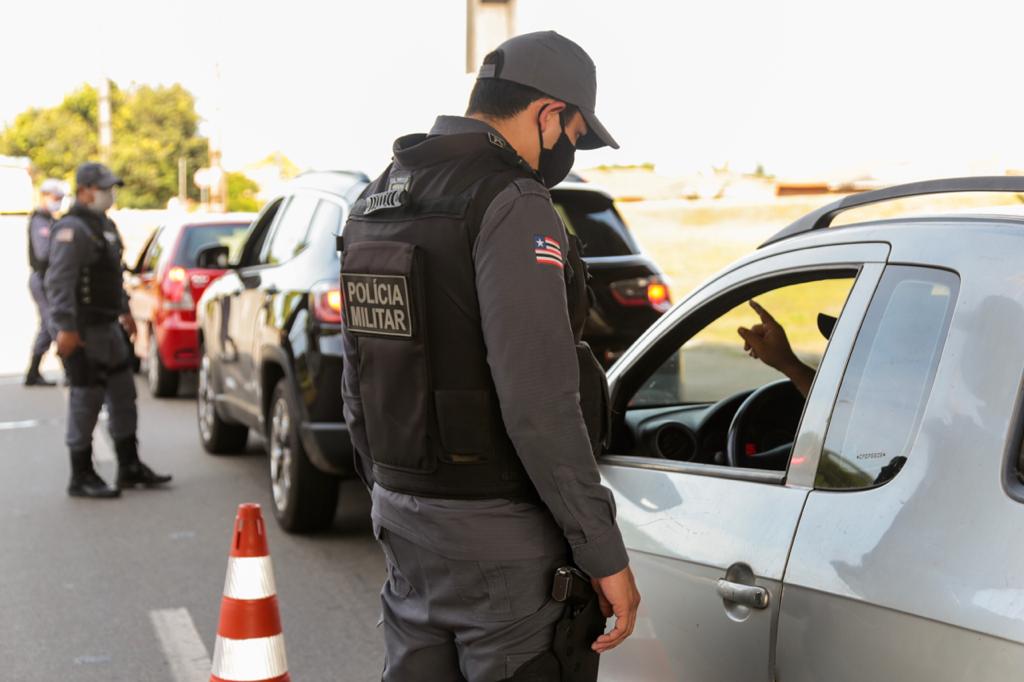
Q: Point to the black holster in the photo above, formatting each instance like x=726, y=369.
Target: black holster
x=83, y=372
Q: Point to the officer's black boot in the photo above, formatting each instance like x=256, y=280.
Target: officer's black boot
x=85, y=482
x=32, y=376
x=130, y=471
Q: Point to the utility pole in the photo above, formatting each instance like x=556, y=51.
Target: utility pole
x=182, y=179
x=106, y=137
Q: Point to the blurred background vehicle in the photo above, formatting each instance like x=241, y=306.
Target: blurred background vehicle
x=164, y=286
x=630, y=290
x=16, y=192
x=270, y=345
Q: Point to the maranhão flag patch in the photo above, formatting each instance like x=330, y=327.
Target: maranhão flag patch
x=548, y=251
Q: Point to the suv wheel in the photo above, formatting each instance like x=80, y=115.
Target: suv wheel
x=162, y=382
x=305, y=498
x=218, y=437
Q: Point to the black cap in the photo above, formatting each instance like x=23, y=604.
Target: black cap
x=559, y=68
x=96, y=175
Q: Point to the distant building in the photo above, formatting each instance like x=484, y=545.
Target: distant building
x=16, y=192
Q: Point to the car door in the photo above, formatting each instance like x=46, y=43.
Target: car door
x=274, y=299
x=143, y=289
x=905, y=565
x=233, y=319
x=708, y=543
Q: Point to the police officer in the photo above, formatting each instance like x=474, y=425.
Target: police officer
x=51, y=194
x=461, y=383
x=89, y=308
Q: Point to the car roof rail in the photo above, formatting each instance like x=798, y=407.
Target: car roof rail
x=822, y=218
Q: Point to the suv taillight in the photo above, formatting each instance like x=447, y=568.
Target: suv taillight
x=177, y=292
x=643, y=291
x=326, y=299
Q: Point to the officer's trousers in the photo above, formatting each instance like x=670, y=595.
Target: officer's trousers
x=43, y=337
x=108, y=354
x=449, y=620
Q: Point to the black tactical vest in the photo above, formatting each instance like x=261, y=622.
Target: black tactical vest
x=37, y=264
x=433, y=421
x=100, y=287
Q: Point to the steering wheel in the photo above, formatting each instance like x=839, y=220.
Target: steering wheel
x=783, y=399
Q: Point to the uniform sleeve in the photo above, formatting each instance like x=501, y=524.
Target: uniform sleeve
x=352, y=405
x=531, y=352
x=39, y=232
x=70, y=249
x=126, y=308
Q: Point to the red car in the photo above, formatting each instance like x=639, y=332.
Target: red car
x=165, y=285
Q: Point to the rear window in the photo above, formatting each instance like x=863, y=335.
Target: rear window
x=888, y=379
x=592, y=217
x=198, y=237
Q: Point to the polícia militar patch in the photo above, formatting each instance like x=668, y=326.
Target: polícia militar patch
x=377, y=304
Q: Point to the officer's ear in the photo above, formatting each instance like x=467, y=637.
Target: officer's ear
x=546, y=113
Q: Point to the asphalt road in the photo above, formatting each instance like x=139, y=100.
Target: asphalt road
x=130, y=589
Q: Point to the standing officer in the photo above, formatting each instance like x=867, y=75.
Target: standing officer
x=461, y=383
x=89, y=307
x=51, y=193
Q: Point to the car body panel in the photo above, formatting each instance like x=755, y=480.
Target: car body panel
x=685, y=525
x=917, y=579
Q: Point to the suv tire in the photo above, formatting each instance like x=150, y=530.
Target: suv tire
x=162, y=382
x=219, y=437
x=305, y=498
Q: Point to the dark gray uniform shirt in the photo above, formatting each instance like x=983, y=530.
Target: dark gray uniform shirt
x=39, y=234
x=73, y=247
x=531, y=353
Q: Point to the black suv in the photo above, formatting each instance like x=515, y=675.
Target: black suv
x=270, y=343
x=270, y=347
x=630, y=291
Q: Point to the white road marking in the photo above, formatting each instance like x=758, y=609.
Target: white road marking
x=182, y=647
x=23, y=424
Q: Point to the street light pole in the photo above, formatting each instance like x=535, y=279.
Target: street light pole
x=106, y=136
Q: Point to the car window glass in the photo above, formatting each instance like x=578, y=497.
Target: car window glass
x=257, y=236
x=888, y=378
x=199, y=237
x=142, y=264
x=712, y=364
x=290, y=232
x=326, y=220
x=592, y=217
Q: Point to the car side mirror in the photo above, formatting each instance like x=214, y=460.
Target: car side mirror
x=213, y=258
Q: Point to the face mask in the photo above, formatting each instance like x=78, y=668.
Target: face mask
x=555, y=163
x=54, y=206
x=102, y=200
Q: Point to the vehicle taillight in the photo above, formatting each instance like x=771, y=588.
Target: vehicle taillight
x=327, y=302
x=643, y=291
x=177, y=293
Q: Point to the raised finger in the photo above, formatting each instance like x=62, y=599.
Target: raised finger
x=765, y=316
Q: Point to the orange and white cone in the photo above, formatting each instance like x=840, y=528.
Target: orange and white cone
x=250, y=644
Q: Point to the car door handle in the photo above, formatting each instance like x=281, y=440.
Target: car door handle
x=748, y=595
x=271, y=290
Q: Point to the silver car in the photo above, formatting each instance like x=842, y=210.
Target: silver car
x=867, y=532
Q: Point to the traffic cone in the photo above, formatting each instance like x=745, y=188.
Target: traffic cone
x=250, y=644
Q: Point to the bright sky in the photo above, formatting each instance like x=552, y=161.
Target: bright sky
x=803, y=86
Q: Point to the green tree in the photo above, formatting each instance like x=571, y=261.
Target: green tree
x=242, y=192
x=152, y=128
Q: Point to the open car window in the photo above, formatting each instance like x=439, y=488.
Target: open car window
x=712, y=365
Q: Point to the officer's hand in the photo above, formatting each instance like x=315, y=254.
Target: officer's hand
x=128, y=322
x=68, y=343
x=619, y=597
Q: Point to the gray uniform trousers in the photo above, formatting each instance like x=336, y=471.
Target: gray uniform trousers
x=448, y=620
x=43, y=336
x=105, y=346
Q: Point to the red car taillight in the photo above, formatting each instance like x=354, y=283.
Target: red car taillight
x=643, y=291
x=327, y=302
x=177, y=292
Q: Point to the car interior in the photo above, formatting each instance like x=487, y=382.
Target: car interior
x=696, y=396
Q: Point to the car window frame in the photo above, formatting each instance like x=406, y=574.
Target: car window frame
x=282, y=213
x=929, y=382
x=744, y=280
x=259, y=233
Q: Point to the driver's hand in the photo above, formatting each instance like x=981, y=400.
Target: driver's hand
x=768, y=343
